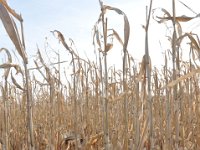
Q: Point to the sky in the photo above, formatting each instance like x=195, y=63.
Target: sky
x=76, y=19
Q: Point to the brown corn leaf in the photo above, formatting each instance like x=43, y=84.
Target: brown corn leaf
x=97, y=38
x=126, y=25
x=108, y=47
x=40, y=58
x=7, y=70
x=12, y=31
x=142, y=70
x=126, y=32
x=117, y=37
x=62, y=40
x=93, y=139
x=129, y=59
x=168, y=17
x=194, y=57
x=15, y=83
x=195, y=44
x=179, y=29
x=163, y=19
x=7, y=65
x=17, y=16
x=183, y=77
x=38, y=68
x=101, y=3
x=8, y=54
x=113, y=8
x=180, y=18
x=166, y=63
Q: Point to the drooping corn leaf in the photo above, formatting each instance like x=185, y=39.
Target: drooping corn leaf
x=7, y=70
x=15, y=83
x=9, y=65
x=10, y=10
x=117, y=37
x=168, y=17
x=179, y=18
x=11, y=29
x=194, y=43
x=126, y=25
x=7, y=53
x=62, y=40
x=163, y=19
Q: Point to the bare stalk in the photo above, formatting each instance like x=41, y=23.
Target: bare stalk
x=105, y=110
x=29, y=108
x=148, y=74
x=125, y=89
x=174, y=59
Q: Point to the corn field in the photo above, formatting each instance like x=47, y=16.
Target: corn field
x=137, y=107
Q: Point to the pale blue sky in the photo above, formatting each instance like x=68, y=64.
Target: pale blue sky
x=72, y=18
x=76, y=18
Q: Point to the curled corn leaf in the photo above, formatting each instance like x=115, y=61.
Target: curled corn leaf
x=62, y=40
x=15, y=83
x=7, y=65
x=194, y=43
x=7, y=70
x=167, y=17
x=126, y=24
x=7, y=53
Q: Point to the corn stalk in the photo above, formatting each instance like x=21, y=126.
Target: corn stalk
x=148, y=75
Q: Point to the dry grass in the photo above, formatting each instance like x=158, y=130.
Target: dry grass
x=137, y=107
